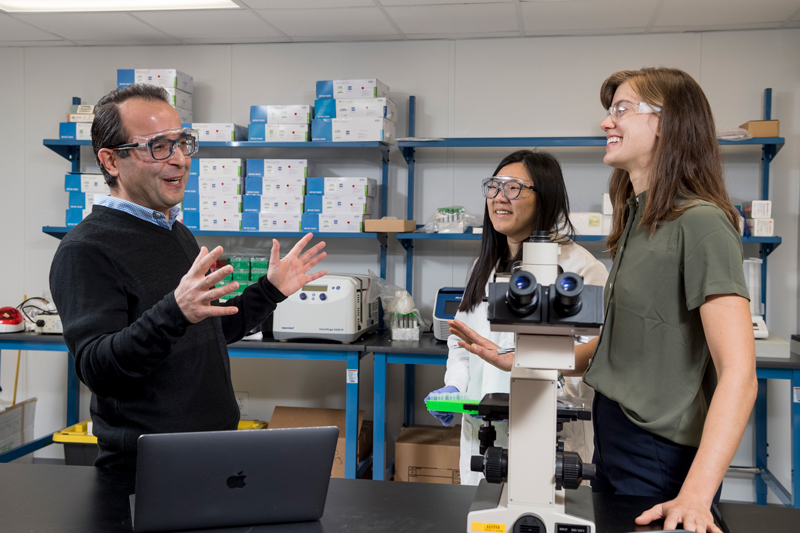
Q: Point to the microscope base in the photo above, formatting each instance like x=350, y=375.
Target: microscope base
x=491, y=512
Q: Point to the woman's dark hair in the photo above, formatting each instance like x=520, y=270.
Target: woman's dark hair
x=107, y=128
x=686, y=159
x=552, y=215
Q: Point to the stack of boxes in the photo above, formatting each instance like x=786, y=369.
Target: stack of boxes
x=353, y=111
x=82, y=189
x=280, y=123
x=213, y=197
x=339, y=205
x=179, y=86
x=246, y=271
x=758, y=215
x=274, y=194
x=78, y=126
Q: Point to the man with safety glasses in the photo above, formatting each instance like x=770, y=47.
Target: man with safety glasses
x=140, y=310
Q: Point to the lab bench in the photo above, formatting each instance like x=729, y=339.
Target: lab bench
x=351, y=354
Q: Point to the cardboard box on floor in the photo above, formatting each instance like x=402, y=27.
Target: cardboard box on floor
x=304, y=417
x=16, y=427
x=428, y=454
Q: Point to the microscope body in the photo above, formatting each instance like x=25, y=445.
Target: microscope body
x=535, y=470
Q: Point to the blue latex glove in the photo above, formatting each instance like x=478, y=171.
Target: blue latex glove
x=445, y=418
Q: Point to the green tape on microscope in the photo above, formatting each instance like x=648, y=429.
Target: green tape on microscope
x=450, y=406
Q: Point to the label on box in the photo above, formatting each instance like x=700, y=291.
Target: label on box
x=220, y=203
x=273, y=204
x=333, y=205
x=281, y=222
x=275, y=186
x=75, y=131
x=279, y=132
x=214, y=185
x=218, y=168
x=484, y=526
x=757, y=209
x=79, y=117
x=281, y=114
x=278, y=168
x=220, y=132
x=221, y=221
x=355, y=108
x=343, y=186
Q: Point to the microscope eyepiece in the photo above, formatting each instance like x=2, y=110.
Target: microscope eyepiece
x=568, y=287
x=523, y=293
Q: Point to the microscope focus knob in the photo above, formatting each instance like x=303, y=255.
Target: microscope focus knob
x=496, y=465
x=570, y=470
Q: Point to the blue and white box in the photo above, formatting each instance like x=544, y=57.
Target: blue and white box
x=333, y=223
x=220, y=132
x=179, y=98
x=352, y=130
x=281, y=114
x=221, y=221
x=339, y=205
x=191, y=202
x=192, y=184
x=342, y=186
x=190, y=219
x=285, y=204
x=93, y=183
x=74, y=216
x=275, y=186
x=218, y=168
x=213, y=185
x=356, y=108
x=82, y=200
x=281, y=222
x=369, y=88
x=75, y=131
x=263, y=132
x=220, y=203
x=279, y=168
x=169, y=77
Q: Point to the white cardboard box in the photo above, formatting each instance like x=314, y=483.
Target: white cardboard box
x=757, y=209
x=342, y=186
x=275, y=186
x=761, y=227
x=339, y=205
x=179, y=98
x=279, y=168
x=90, y=183
x=220, y=132
x=215, y=185
x=16, y=427
x=355, y=108
x=361, y=88
x=218, y=168
x=608, y=207
x=168, y=77
x=273, y=204
x=260, y=131
x=220, y=203
x=221, y=221
x=281, y=114
x=587, y=223
x=284, y=222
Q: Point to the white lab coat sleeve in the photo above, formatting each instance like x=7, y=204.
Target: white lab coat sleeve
x=457, y=373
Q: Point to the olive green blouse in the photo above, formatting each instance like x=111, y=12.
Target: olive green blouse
x=652, y=357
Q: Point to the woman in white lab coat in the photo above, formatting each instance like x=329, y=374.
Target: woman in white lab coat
x=525, y=194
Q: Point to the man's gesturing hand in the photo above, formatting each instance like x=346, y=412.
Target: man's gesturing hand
x=196, y=290
x=288, y=275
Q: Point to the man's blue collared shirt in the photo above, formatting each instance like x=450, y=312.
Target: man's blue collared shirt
x=144, y=213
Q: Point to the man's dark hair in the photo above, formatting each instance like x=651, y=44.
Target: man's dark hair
x=107, y=128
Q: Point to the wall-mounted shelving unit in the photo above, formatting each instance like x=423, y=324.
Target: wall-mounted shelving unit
x=71, y=150
x=769, y=148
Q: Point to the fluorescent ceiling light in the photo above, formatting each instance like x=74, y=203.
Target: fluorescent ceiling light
x=62, y=6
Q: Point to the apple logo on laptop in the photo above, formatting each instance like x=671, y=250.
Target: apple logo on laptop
x=237, y=481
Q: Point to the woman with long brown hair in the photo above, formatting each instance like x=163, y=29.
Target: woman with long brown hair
x=674, y=366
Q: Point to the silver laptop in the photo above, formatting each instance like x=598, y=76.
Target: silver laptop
x=232, y=478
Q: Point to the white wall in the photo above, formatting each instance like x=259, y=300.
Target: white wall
x=504, y=87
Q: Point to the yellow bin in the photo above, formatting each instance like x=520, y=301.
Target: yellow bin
x=80, y=448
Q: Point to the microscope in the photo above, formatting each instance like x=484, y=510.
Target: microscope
x=524, y=486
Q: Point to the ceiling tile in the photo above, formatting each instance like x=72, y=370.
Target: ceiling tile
x=453, y=36
x=98, y=26
x=35, y=43
x=342, y=22
x=209, y=25
x=164, y=40
x=12, y=29
x=710, y=13
x=586, y=15
x=306, y=4
x=455, y=19
x=236, y=40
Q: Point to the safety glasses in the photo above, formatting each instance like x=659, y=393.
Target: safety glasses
x=161, y=145
x=624, y=108
x=512, y=188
